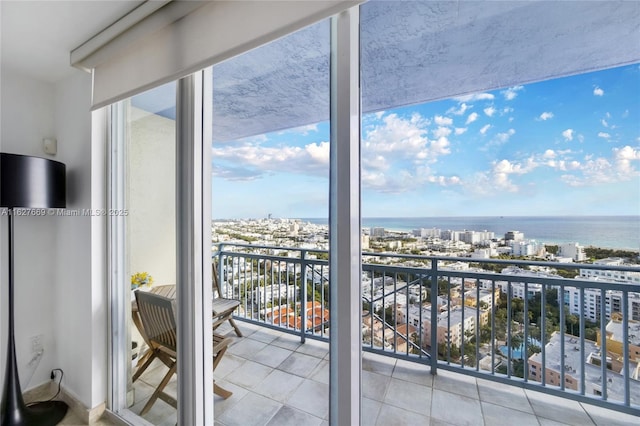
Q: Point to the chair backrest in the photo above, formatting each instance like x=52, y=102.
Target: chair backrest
x=158, y=319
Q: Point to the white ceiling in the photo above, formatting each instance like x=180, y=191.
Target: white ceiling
x=37, y=36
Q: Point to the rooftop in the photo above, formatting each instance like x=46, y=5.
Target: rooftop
x=615, y=331
x=593, y=373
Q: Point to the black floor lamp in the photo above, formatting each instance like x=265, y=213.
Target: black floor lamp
x=33, y=183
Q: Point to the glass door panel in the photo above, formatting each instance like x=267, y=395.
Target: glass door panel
x=144, y=267
x=270, y=195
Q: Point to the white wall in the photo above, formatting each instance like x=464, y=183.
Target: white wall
x=81, y=296
x=55, y=293
x=151, y=197
x=27, y=117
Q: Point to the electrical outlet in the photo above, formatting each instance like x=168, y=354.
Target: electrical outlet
x=36, y=344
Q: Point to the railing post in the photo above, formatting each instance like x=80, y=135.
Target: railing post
x=303, y=292
x=434, y=316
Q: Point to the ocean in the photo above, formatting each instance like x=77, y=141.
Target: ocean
x=613, y=232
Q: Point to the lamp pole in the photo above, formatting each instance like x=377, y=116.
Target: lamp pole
x=14, y=410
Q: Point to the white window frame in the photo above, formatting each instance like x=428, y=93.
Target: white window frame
x=193, y=217
x=193, y=127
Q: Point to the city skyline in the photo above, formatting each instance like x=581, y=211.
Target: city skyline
x=567, y=146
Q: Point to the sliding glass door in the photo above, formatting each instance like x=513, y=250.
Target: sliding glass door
x=143, y=251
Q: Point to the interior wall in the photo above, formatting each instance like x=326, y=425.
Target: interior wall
x=55, y=295
x=27, y=118
x=80, y=300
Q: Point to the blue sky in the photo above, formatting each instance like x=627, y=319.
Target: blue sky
x=569, y=146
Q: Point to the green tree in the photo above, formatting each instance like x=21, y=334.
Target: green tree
x=571, y=320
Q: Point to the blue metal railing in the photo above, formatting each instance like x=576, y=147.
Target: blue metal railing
x=509, y=327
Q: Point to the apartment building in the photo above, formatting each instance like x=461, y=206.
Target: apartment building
x=452, y=324
x=630, y=277
x=613, y=299
x=572, y=251
x=527, y=248
x=615, y=338
x=514, y=236
x=574, y=365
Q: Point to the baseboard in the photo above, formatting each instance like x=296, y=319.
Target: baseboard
x=46, y=390
x=89, y=416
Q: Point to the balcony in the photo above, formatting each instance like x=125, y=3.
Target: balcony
x=279, y=371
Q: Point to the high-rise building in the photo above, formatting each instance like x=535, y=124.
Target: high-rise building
x=572, y=250
x=514, y=236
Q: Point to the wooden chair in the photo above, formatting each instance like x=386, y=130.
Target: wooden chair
x=159, y=323
x=221, y=305
x=168, y=291
x=158, y=319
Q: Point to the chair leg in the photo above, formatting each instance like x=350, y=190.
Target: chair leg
x=221, y=392
x=159, y=390
x=218, y=357
x=150, y=356
x=144, y=357
x=235, y=327
x=220, y=345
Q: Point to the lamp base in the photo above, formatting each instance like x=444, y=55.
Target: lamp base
x=48, y=413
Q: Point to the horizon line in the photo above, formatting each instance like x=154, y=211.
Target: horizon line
x=438, y=217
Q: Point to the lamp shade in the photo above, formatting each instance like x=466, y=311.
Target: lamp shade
x=31, y=182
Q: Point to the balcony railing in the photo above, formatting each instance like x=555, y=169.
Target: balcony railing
x=524, y=325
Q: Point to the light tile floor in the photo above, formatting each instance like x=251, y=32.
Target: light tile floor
x=276, y=380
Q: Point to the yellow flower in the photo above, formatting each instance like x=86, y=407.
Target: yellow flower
x=140, y=279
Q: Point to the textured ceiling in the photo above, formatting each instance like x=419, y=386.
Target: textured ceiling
x=414, y=52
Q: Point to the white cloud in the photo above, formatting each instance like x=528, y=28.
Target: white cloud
x=460, y=130
x=563, y=165
x=497, y=139
x=621, y=166
x=443, y=121
x=489, y=111
x=512, y=92
x=568, y=134
x=604, y=123
x=445, y=180
x=473, y=97
x=508, y=167
x=441, y=131
x=504, y=137
x=460, y=110
x=319, y=153
x=499, y=177
x=396, y=153
x=257, y=160
x=604, y=135
x=598, y=91
x=549, y=153
x=545, y=116
x=623, y=159
x=472, y=117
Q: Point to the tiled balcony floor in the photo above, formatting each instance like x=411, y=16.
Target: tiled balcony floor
x=276, y=380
